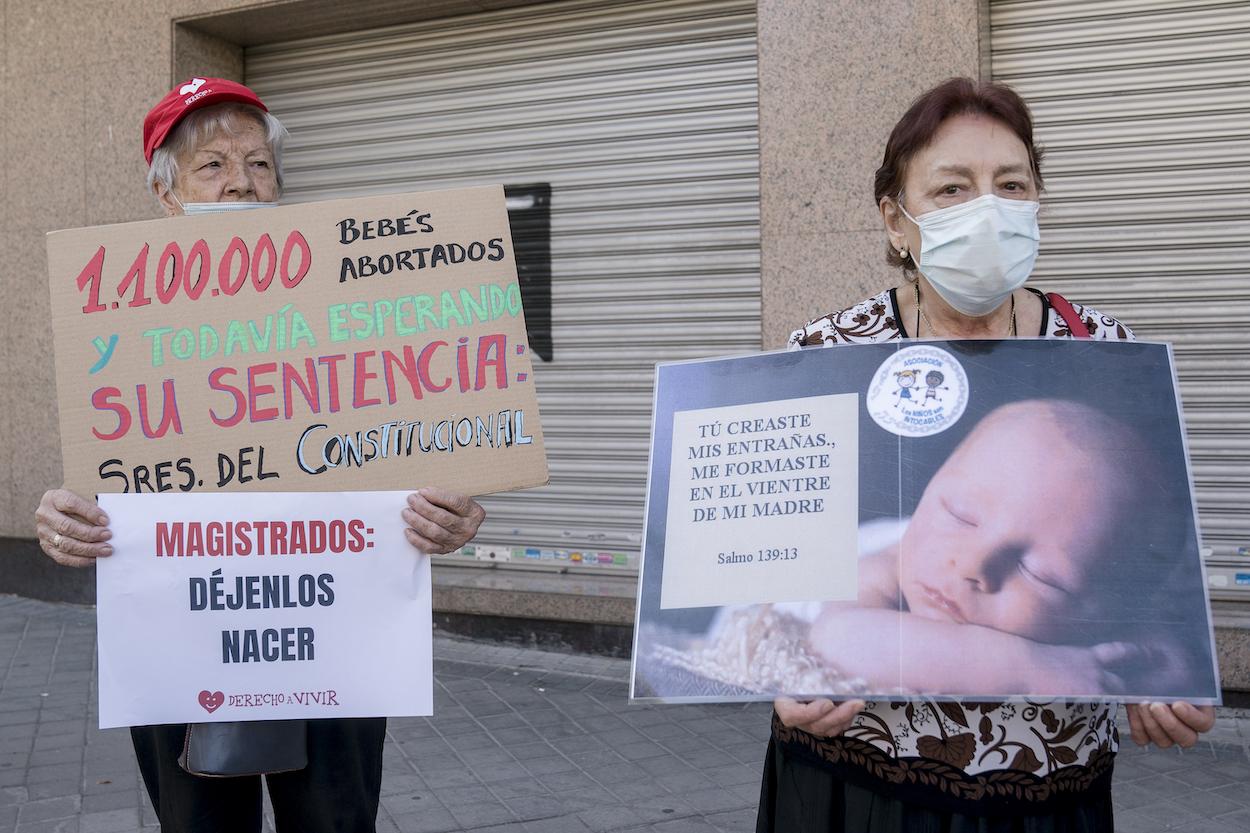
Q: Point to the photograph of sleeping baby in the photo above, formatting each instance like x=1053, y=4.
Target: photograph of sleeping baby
x=1052, y=553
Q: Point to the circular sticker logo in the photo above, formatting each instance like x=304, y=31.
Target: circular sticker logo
x=918, y=391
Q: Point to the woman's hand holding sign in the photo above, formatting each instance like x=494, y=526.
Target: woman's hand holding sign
x=440, y=521
x=72, y=530
x=822, y=718
x=1166, y=724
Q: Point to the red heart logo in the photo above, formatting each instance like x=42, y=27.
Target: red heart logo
x=211, y=700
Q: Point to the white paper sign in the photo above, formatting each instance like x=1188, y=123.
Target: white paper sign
x=232, y=606
x=763, y=503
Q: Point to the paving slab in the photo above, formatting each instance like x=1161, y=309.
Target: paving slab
x=522, y=741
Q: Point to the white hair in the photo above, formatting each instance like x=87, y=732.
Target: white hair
x=201, y=126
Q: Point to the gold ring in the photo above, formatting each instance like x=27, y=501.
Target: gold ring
x=56, y=541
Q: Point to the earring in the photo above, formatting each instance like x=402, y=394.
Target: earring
x=903, y=253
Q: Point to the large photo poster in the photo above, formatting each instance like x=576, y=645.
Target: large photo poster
x=968, y=519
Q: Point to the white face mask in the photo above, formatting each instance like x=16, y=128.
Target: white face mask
x=977, y=253
x=218, y=207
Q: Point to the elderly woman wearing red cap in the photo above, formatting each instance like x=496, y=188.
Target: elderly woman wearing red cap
x=209, y=142
x=212, y=145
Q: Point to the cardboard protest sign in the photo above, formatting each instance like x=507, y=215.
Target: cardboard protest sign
x=373, y=343
x=974, y=519
x=314, y=606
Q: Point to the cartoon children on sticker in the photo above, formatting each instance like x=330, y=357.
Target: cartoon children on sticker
x=933, y=382
x=905, y=379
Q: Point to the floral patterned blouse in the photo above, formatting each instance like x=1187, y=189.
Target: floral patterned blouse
x=960, y=756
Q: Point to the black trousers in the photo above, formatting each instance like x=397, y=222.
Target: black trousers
x=336, y=793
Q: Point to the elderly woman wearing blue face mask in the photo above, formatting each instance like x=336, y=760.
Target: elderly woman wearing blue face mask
x=958, y=193
x=212, y=145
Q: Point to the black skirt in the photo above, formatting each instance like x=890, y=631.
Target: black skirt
x=800, y=797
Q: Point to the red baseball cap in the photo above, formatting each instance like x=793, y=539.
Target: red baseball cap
x=185, y=98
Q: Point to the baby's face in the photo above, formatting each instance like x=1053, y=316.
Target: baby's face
x=1011, y=529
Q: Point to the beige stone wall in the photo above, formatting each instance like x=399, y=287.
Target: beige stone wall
x=77, y=77
x=834, y=78
x=75, y=81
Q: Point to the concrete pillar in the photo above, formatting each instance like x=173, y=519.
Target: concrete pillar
x=834, y=78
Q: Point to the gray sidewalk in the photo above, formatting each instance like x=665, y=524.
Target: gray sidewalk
x=523, y=741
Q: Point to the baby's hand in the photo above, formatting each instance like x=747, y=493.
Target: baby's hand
x=1101, y=669
x=860, y=643
x=1163, y=668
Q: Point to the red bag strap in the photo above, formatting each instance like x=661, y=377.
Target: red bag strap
x=1066, y=311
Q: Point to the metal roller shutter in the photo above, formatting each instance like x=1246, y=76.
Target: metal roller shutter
x=642, y=117
x=1144, y=109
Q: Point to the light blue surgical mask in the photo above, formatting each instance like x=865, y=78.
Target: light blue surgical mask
x=189, y=208
x=977, y=253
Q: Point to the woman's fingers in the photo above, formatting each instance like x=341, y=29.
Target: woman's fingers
x=1150, y=727
x=1178, y=730
x=1166, y=724
x=439, y=539
x=67, y=514
x=426, y=508
x=837, y=721
x=73, y=546
x=62, y=557
x=439, y=521
x=462, y=507
x=1199, y=718
x=424, y=544
x=71, y=529
x=1150, y=720
x=54, y=523
x=1136, y=728
x=65, y=501
x=818, y=717
x=796, y=714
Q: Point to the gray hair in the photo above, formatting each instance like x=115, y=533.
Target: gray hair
x=201, y=126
